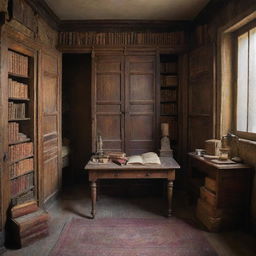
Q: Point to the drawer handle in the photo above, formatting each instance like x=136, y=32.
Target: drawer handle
x=148, y=174
x=116, y=174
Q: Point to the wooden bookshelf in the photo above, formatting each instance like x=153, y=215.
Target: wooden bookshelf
x=17, y=99
x=24, y=192
x=169, y=95
x=20, y=159
x=19, y=119
x=21, y=126
x=17, y=176
x=11, y=74
x=19, y=142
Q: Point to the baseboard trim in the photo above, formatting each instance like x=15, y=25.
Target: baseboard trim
x=50, y=200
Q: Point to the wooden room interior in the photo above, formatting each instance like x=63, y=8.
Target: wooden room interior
x=78, y=77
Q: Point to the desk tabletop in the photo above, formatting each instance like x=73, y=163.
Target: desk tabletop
x=166, y=164
x=220, y=166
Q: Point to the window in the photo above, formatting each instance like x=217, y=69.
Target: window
x=246, y=81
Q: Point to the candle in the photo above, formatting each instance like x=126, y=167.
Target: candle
x=165, y=129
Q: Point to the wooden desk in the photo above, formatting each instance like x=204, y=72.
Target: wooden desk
x=227, y=202
x=113, y=171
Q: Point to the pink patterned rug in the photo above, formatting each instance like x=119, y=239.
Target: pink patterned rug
x=131, y=237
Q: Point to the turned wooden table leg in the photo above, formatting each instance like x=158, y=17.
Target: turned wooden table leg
x=98, y=191
x=169, y=194
x=93, y=197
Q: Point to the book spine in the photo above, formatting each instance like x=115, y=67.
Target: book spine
x=25, y=210
x=34, y=230
x=29, y=239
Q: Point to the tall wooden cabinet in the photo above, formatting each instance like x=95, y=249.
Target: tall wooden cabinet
x=124, y=100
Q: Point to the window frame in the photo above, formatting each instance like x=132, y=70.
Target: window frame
x=236, y=34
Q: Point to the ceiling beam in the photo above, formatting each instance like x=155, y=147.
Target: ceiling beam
x=123, y=25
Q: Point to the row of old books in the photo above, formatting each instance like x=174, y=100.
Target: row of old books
x=168, y=67
x=21, y=167
x=173, y=126
x=169, y=81
x=17, y=89
x=122, y=38
x=22, y=183
x=16, y=110
x=17, y=63
x=13, y=133
x=168, y=109
x=29, y=223
x=20, y=151
x=168, y=95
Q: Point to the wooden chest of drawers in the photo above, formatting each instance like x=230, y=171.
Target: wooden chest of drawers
x=223, y=191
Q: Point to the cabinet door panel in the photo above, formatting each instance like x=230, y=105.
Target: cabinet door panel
x=49, y=126
x=109, y=88
x=108, y=95
x=140, y=118
x=141, y=87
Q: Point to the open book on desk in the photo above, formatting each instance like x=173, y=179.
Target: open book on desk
x=144, y=159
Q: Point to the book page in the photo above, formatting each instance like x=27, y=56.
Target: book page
x=150, y=158
x=135, y=160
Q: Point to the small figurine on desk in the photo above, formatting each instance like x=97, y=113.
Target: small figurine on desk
x=165, y=141
x=99, y=156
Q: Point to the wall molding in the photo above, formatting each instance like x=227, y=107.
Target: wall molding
x=123, y=25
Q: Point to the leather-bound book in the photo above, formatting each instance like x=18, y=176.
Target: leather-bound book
x=23, y=209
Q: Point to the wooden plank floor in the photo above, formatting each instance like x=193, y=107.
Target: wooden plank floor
x=76, y=203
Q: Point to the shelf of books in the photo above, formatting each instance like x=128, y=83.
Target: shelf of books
x=169, y=95
x=21, y=165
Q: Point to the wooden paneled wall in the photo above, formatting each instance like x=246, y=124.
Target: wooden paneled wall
x=230, y=14
x=201, y=109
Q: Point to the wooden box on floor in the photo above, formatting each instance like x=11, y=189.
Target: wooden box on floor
x=29, y=228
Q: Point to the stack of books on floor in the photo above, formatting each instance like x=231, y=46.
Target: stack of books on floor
x=29, y=223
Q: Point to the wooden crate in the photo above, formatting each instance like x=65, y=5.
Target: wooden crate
x=210, y=184
x=207, y=196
